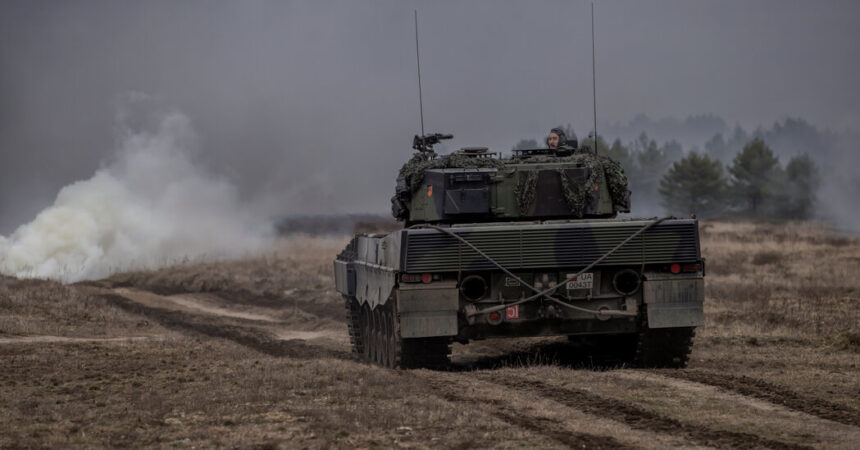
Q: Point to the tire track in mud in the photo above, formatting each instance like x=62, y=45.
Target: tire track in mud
x=772, y=393
x=635, y=416
x=543, y=426
x=212, y=326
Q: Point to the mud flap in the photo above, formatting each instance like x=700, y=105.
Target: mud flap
x=344, y=278
x=428, y=310
x=674, y=303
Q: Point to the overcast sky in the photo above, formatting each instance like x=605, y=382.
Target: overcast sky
x=310, y=107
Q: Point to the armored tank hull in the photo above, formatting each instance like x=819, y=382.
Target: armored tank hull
x=411, y=293
x=523, y=246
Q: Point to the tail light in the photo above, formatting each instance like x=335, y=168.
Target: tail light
x=418, y=277
x=686, y=268
x=691, y=267
x=494, y=318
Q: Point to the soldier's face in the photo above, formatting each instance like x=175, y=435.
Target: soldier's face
x=552, y=140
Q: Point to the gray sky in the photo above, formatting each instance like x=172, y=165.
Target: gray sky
x=310, y=107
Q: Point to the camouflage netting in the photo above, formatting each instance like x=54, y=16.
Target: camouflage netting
x=413, y=170
x=578, y=196
x=616, y=181
x=525, y=190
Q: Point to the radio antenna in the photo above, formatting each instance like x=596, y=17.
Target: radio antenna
x=418, y=58
x=593, y=77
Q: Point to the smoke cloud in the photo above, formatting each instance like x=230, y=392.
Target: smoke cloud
x=152, y=206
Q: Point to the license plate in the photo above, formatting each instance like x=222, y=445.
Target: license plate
x=583, y=281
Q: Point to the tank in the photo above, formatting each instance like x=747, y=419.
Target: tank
x=520, y=246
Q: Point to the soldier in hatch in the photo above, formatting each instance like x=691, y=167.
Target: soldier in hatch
x=557, y=140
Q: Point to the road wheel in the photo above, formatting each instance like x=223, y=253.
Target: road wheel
x=395, y=356
x=377, y=350
x=377, y=336
x=383, y=337
x=367, y=332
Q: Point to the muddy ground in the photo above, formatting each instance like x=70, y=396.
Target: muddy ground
x=254, y=353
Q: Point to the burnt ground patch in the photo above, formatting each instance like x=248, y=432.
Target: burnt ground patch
x=763, y=390
x=212, y=326
x=636, y=417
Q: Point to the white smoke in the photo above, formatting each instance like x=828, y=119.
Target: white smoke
x=151, y=207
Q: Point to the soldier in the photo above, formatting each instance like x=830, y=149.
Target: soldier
x=557, y=140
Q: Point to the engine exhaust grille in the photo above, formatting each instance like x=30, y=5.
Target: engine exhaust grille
x=552, y=245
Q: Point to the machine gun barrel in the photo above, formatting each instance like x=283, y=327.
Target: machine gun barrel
x=426, y=142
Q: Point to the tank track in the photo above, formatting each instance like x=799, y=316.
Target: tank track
x=375, y=337
x=352, y=323
x=664, y=347
x=649, y=348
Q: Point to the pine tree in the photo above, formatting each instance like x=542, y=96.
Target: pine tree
x=651, y=165
x=623, y=155
x=755, y=177
x=602, y=147
x=801, y=184
x=694, y=185
x=672, y=150
x=717, y=149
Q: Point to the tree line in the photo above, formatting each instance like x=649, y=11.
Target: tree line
x=738, y=176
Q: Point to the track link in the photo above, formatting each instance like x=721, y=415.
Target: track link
x=664, y=347
x=353, y=326
x=375, y=337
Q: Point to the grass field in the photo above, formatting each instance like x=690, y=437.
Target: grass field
x=254, y=353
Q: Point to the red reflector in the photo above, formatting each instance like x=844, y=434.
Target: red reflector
x=691, y=267
x=675, y=268
x=410, y=278
x=427, y=278
x=494, y=316
x=596, y=188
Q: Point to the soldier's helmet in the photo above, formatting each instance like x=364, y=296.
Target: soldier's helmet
x=562, y=137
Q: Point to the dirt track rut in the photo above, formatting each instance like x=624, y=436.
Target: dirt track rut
x=637, y=417
x=568, y=416
x=775, y=394
x=543, y=426
x=213, y=326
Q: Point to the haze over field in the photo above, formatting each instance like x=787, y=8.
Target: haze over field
x=309, y=108
x=152, y=206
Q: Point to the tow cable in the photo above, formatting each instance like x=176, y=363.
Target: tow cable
x=549, y=291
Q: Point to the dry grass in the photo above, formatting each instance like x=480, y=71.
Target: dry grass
x=188, y=393
x=296, y=263
x=781, y=309
x=48, y=308
x=794, y=281
x=294, y=277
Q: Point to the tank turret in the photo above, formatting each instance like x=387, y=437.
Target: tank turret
x=473, y=185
